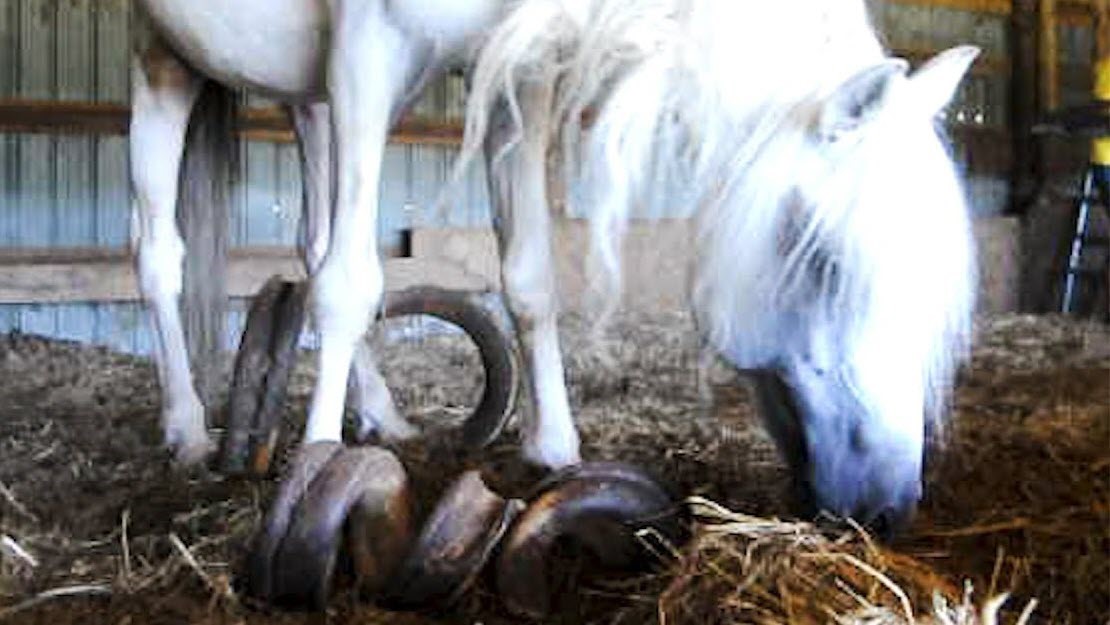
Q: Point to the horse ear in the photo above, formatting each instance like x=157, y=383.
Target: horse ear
x=859, y=99
x=934, y=84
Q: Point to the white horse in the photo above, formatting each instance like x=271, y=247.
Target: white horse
x=834, y=248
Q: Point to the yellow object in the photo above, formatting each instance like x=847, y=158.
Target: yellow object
x=1100, y=148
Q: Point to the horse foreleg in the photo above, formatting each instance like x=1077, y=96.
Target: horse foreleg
x=373, y=403
x=163, y=94
x=518, y=188
x=367, y=75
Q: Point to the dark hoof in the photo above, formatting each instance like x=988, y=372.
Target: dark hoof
x=303, y=470
x=454, y=546
x=598, y=508
x=466, y=310
x=267, y=353
x=360, y=494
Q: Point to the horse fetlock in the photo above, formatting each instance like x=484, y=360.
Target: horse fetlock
x=389, y=424
x=185, y=432
x=553, y=446
x=377, y=413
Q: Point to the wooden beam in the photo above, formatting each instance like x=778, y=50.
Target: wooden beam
x=107, y=275
x=658, y=282
x=1026, y=149
x=1102, y=29
x=997, y=7
x=455, y=258
x=1048, y=50
x=262, y=124
x=269, y=124
x=1070, y=11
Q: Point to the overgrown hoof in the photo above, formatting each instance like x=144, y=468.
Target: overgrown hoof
x=333, y=495
x=465, y=310
x=607, y=512
x=267, y=354
x=457, y=540
x=611, y=516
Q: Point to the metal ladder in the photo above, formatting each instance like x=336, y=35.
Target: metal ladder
x=1081, y=241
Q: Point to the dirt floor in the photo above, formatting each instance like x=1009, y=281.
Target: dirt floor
x=97, y=527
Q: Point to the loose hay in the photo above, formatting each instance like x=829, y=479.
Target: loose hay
x=744, y=569
x=1017, y=497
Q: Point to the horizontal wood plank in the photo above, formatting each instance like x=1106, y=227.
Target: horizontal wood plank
x=658, y=256
x=1070, y=11
x=989, y=146
x=107, y=275
x=262, y=124
x=460, y=258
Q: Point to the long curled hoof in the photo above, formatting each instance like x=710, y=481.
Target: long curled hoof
x=267, y=353
x=454, y=545
x=597, y=508
x=332, y=494
x=465, y=310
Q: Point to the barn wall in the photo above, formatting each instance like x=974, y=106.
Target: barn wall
x=72, y=191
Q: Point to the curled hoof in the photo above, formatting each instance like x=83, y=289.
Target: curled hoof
x=454, y=546
x=267, y=353
x=495, y=347
x=332, y=493
x=598, y=509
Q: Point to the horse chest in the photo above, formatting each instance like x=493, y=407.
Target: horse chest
x=276, y=47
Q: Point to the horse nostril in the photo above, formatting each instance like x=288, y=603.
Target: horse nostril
x=882, y=525
x=891, y=521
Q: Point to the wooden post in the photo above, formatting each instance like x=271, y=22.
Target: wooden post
x=1101, y=10
x=1023, y=105
x=1048, y=49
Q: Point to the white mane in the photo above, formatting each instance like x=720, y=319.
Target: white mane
x=862, y=248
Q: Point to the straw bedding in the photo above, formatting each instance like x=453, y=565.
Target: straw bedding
x=95, y=526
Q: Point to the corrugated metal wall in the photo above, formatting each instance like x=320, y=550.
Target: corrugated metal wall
x=72, y=190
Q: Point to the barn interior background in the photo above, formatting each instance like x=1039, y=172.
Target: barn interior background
x=1020, y=501
x=64, y=269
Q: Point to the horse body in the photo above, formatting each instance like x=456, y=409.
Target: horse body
x=280, y=48
x=783, y=124
x=277, y=48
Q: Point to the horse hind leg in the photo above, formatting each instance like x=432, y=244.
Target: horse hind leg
x=518, y=188
x=163, y=94
x=371, y=399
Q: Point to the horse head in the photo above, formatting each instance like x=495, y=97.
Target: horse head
x=855, y=294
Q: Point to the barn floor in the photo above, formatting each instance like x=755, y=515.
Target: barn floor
x=1017, y=499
